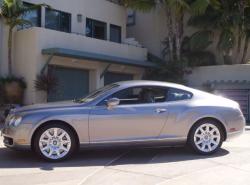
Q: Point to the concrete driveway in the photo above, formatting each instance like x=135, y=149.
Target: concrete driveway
x=165, y=166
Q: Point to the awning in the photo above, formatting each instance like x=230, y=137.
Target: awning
x=96, y=57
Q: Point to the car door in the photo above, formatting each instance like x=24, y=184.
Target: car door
x=133, y=119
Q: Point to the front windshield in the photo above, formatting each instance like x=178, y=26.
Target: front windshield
x=97, y=93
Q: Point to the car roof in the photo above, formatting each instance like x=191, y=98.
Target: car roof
x=153, y=83
x=196, y=92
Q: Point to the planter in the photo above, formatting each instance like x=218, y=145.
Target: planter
x=14, y=92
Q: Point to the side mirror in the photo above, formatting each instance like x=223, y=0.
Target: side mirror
x=113, y=102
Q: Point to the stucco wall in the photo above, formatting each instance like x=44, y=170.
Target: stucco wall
x=28, y=60
x=223, y=73
x=96, y=9
x=101, y=10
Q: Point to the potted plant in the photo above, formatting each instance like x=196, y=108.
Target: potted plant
x=12, y=90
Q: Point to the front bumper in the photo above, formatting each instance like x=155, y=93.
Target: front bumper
x=16, y=137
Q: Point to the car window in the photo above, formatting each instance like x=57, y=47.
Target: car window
x=178, y=94
x=140, y=95
x=97, y=93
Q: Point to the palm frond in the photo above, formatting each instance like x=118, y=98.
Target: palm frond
x=226, y=41
x=142, y=5
x=201, y=40
x=20, y=22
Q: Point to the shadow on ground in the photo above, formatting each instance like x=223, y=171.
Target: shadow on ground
x=14, y=159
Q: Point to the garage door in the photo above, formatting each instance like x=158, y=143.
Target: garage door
x=111, y=77
x=72, y=83
x=241, y=96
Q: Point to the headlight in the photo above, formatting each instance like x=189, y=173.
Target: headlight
x=15, y=121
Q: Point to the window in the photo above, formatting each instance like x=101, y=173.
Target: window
x=57, y=20
x=131, y=17
x=177, y=95
x=33, y=16
x=96, y=29
x=115, y=33
x=140, y=95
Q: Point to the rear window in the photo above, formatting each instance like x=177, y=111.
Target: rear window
x=178, y=95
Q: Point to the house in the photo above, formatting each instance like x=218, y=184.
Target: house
x=82, y=42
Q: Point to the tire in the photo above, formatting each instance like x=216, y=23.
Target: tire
x=206, y=137
x=55, y=142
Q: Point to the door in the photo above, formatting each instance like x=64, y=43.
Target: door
x=141, y=115
x=71, y=83
x=111, y=77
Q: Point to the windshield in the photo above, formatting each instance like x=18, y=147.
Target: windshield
x=97, y=93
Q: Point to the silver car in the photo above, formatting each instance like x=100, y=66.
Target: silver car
x=132, y=113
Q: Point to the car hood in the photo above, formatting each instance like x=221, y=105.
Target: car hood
x=46, y=106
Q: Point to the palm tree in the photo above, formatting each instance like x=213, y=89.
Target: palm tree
x=11, y=11
x=175, y=10
x=229, y=19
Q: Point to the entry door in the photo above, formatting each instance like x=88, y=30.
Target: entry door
x=133, y=120
x=72, y=83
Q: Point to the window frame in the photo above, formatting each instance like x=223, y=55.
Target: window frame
x=92, y=28
x=131, y=16
x=60, y=20
x=101, y=102
x=120, y=30
x=39, y=17
x=188, y=92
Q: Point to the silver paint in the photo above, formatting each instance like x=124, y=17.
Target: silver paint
x=164, y=123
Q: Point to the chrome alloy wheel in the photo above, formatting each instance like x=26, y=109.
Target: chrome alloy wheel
x=207, y=137
x=55, y=143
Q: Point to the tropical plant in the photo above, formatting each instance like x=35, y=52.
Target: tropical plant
x=11, y=11
x=175, y=11
x=46, y=82
x=195, y=49
x=229, y=19
x=174, y=14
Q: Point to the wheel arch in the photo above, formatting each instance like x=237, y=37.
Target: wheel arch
x=54, y=121
x=210, y=118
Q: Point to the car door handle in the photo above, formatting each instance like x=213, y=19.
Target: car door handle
x=160, y=111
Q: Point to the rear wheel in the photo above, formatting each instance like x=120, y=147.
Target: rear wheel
x=55, y=142
x=206, y=137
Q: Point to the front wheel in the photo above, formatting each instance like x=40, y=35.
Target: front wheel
x=206, y=137
x=54, y=142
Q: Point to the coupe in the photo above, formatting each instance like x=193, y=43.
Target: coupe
x=131, y=113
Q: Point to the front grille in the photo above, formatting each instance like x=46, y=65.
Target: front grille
x=8, y=141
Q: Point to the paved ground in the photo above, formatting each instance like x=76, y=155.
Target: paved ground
x=172, y=166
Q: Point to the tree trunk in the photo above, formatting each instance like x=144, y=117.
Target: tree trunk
x=236, y=58
x=179, y=34
x=10, y=51
x=170, y=33
x=243, y=60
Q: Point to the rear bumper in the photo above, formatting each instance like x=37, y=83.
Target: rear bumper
x=233, y=135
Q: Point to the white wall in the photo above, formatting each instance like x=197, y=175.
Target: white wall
x=29, y=59
x=96, y=9
x=150, y=30
x=226, y=73
x=101, y=10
